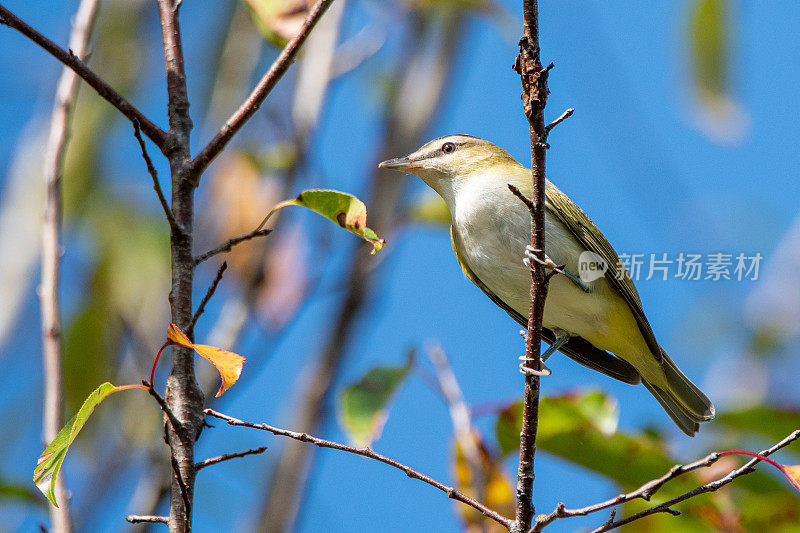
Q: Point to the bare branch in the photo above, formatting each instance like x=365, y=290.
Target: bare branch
x=147, y=519
x=66, y=93
x=564, y=116
x=366, y=452
x=254, y=100
x=153, y=132
x=534, y=98
x=156, y=185
x=228, y=456
x=708, y=487
x=227, y=246
x=176, y=424
x=206, y=298
x=183, y=394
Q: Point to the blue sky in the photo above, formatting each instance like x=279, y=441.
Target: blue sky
x=632, y=156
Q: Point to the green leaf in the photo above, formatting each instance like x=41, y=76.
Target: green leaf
x=344, y=209
x=772, y=422
x=708, y=40
x=14, y=491
x=430, y=209
x=49, y=463
x=364, y=406
x=581, y=428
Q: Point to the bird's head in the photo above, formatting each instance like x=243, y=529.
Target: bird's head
x=445, y=163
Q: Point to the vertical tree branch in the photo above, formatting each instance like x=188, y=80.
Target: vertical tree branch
x=183, y=394
x=66, y=92
x=534, y=97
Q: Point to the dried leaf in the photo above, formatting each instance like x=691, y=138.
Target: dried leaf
x=490, y=484
x=228, y=364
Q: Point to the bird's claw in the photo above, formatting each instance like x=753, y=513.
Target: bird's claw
x=527, y=371
x=530, y=255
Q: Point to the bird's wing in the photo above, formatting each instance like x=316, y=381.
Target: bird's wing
x=579, y=224
x=576, y=348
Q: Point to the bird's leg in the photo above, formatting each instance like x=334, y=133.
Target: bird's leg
x=561, y=339
x=530, y=255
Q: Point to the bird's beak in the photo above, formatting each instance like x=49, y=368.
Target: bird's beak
x=397, y=163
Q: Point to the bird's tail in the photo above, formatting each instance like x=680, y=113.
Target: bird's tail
x=685, y=404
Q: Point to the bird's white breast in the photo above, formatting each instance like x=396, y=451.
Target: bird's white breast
x=494, y=232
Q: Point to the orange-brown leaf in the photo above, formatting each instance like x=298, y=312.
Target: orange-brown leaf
x=228, y=364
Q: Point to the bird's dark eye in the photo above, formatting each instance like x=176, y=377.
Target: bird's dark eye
x=448, y=147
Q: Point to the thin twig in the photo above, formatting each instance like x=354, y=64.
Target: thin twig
x=146, y=519
x=460, y=416
x=257, y=96
x=228, y=456
x=534, y=98
x=366, y=452
x=228, y=245
x=151, y=169
x=156, y=134
x=709, y=487
x=209, y=293
x=564, y=116
x=66, y=93
x=644, y=492
x=176, y=424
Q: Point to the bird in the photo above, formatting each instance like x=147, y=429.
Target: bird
x=594, y=317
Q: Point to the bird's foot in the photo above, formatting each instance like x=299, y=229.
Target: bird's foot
x=530, y=255
x=525, y=370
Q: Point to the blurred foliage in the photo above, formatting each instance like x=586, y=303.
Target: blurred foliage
x=490, y=485
x=719, y=114
x=364, y=406
x=278, y=20
x=429, y=209
x=771, y=423
x=708, y=32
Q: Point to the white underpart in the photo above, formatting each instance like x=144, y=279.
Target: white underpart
x=494, y=249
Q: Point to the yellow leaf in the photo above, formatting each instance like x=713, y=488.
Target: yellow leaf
x=228, y=364
x=793, y=473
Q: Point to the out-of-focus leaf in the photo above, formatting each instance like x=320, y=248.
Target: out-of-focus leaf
x=228, y=364
x=719, y=116
x=430, y=209
x=772, y=422
x=344, y=209
x=92, y=338
x=285, y=277
x=49, y=463
x=496, y=489
x=240, y=196
x=364, y=406
x=279, y=20
x=14, y=491
x=709, y=42
x=581, y=429
x=793, y=473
